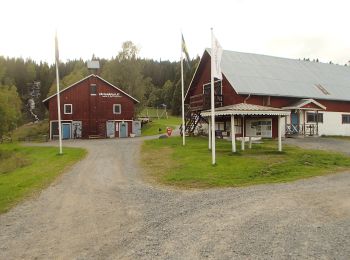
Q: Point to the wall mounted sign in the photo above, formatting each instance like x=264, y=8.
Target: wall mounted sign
x=109, y=95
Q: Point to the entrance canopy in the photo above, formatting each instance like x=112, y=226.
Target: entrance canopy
x=243, y=109
x=246, y=109
x=307, y=104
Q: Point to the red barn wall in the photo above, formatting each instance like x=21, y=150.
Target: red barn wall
x=92, y=110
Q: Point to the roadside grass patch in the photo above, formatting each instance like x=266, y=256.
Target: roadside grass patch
x=168, y=162
x=152, y=128
x=34, y=131
x=25, y=170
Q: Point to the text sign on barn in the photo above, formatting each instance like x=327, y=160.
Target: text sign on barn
x=109, y=95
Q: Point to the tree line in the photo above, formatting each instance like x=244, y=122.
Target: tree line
x=152, y=82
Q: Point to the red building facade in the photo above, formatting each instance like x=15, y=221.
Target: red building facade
x=93, y=108
x=310, y=114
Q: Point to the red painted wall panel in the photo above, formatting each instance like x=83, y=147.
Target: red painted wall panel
x=93, y=110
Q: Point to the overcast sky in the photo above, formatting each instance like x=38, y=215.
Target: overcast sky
x=293, y=29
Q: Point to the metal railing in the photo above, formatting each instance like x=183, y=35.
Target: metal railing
x=302, y=129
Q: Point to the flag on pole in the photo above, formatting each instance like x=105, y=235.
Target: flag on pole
x=185, y=51
x=187, y=57
x=58, y=94
x=56, y=50
x=216, y=56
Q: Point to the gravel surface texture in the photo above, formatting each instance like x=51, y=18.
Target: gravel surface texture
x=102, y=209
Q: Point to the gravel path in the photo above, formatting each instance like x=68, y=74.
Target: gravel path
x=101, y=209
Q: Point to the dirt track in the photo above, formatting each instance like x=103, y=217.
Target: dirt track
x=102, y=209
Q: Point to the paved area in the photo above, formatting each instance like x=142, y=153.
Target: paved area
x=101, y=209
x=328, y=144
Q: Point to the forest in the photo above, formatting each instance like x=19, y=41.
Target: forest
x=24, y=83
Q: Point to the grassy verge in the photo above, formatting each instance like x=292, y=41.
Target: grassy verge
x=152, y=128
x=168, y=162
x=26, y=170
x=34, y=131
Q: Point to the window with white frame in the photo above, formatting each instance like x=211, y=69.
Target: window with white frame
x=117, y=109
x=345, y=119
x=68, y=109
x=314, y=117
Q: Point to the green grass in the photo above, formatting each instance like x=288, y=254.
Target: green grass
x=152, y=128
x=35, y=131
x=26, y=170
x=168, y=162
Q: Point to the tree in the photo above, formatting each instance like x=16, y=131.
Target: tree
x=10, y=109
x=125, y=72
x=79, y=72
x=129, y=51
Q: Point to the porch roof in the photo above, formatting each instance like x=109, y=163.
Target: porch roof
x=303, y=103
x=246, y=109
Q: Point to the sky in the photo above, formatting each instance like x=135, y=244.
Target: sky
x=291, y=29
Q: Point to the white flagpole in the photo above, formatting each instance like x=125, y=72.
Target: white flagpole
x=212, y=101
x=182, y=93
x=58, y=94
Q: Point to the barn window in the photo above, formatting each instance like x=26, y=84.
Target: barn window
x=345, y=119
x=68, y=108
x=312, y=117
x=117, y=109
x=93, y=89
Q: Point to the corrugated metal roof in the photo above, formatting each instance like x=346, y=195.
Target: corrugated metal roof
x=246, y=109
x=267, y=75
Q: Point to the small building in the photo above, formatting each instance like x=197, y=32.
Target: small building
x=309, y=98
x=93, y=108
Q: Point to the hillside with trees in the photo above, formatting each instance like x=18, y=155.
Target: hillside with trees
x=24, y=83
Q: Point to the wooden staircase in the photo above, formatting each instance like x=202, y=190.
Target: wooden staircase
x=193, y=120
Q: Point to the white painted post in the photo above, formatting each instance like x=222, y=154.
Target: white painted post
x=209, y=133
x=279, y=135
x=233, y=134
x=243, y=137
x=250, y=142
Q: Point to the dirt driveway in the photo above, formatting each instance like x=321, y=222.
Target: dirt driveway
x=101, y=209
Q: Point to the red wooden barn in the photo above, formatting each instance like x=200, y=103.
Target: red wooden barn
x=263, y=94
x=93, y=108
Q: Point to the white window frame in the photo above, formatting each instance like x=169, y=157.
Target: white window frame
x=93, y=85
x=71, y=109
x=120, y=109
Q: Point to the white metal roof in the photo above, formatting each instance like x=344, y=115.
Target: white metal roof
x=266, y=75
x=92, y=75
x=246, y=109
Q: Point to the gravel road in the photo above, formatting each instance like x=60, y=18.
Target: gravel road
x=101, y=209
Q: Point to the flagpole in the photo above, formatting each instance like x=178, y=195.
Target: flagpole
x=212, y=101
x=182, y=94
x=58, y=95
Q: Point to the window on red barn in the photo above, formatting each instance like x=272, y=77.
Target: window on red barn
x=93, y=89
x=117, y=109
x=68, y=109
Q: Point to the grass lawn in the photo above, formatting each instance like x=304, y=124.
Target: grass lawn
x=26, y=170
x=152, y=128
x=168, y=162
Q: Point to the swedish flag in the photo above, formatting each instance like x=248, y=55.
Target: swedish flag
x=185, y=51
